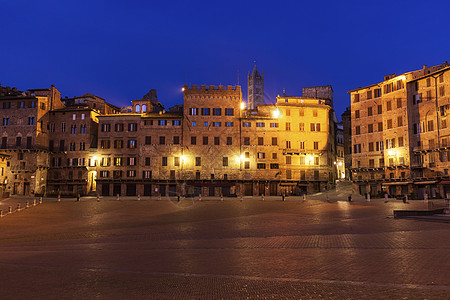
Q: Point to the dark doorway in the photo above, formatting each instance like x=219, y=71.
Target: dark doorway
x=273, y=188
x=105, y=189
x=131, y=189
x=211, y=191
x=147, y=189
x=117, y=189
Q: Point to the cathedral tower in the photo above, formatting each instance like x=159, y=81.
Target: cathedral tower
x=255, y=83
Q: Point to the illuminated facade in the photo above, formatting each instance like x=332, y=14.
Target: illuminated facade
x=214, y=146
x=399, y=134
x=24, y=137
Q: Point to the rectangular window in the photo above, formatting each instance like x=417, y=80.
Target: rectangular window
x=105, y=144
x=380, y=109
x=260, y=141
x=74, y=117
x=260, y=124
x=205, y=140
x=302, y=145
x=247, y=165
x=118, y=144
x=217, y=111
x=288, y=126
x=369, y=95
x=380, y=126
x=274, y=166
x=131, y=161
x=164, y=161
x=193, y=111
x=162, y=140
x=288, y=160
x=176, y=161
x=176, y=140
x=147, y=161
x=216, y=124
x=162, y=122
x=246, y=141
x=206, y=111
x=301, y=126
x=315, y=126
x=225, y=161
x=357, y=130
x=246, y=124
x=274, y=141
x=131, y=173
x=388, y=105
x=193, y=140
x=147, y=174
x=132, y=127
x=389, y=124
x=316, y=145
x=371, y=147
x=356, y=98
x=118, y=127
x=377, y=93
x=229, y=140
x=399, y=103
x=198, y=161
x=194, y=124
x=274, y=125
x=370, y=128
x=400, y=141
x=228, y=124
x=132, y=144
x=261, y=155
x=260, y=166
x=399, y=121
x=176, y=123
x=369, y=111
x=430, y=125
x=356, y=114
x=148, y=140
x=205, y=124
x=229, y=111
x=118, y=161
x=216, y=140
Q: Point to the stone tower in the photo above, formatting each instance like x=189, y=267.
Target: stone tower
x=255, y=85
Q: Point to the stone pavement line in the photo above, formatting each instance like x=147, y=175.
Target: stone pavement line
x=241, y=277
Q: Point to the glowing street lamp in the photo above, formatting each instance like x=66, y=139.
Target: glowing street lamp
x=242, y=105
x=276, y=113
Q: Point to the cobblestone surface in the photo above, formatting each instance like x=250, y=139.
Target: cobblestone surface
x=222, y=250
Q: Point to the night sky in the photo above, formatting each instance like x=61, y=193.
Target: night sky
x=119, y=50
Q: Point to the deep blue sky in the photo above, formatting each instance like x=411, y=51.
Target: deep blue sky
x=119, y=50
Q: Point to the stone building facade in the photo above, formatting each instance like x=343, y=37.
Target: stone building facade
x=214, y=147
x=4, y=165
x=347, y=132
x=399, y=134
x=255, y=84
x=73, y=132
x=24, y=137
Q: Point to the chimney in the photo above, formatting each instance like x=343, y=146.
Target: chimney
x=424, y=67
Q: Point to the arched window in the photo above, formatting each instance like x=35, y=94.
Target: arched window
x=144, y=108
x=138, y=108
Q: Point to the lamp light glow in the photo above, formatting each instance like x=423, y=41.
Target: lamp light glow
x=276, y=113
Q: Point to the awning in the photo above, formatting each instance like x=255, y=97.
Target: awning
x=212, y=184
x=288, y=183
x=397, y=183
x=426, y=182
